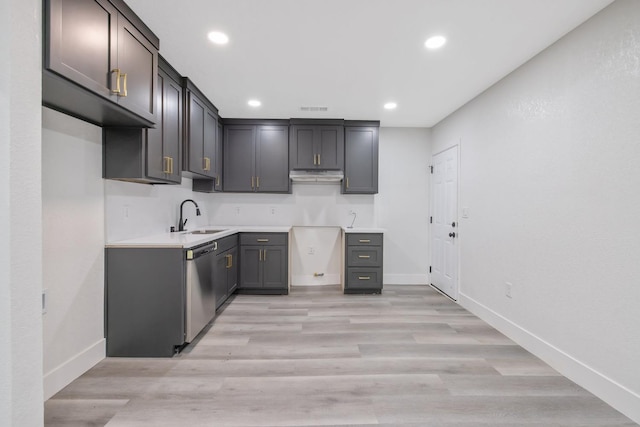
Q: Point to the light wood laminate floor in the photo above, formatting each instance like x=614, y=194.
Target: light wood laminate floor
x=408, y=357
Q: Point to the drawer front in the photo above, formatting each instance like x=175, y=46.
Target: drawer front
x=364, y=256
x=364, y=239
x=364, y=278
x=267, y=239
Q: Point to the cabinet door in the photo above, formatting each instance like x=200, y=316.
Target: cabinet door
x=330, y=147
x=217, y=185
x=86, y=59
x=272, y=159
x=172, y=129
x=361, y=160
x=220, y=278
x=239, y=158
x=194, y=145
x=302, y=150
x=274, y=265
x=138, y=61
x=232, y=271
x=250, y=267
x=209, y=148
x=164, y=142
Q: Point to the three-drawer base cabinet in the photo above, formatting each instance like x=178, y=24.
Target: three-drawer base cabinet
x=363, y=263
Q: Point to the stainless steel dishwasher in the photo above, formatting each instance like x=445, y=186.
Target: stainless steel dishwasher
x=201, y=298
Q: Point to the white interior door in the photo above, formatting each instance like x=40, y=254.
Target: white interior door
x=444, y=218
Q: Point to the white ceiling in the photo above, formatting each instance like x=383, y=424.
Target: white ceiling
x=352, y=56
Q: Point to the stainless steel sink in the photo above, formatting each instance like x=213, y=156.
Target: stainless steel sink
x=206, y=231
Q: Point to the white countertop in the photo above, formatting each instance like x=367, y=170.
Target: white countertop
x=184, y=239
x=363, y=230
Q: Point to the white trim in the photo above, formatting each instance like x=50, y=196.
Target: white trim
x=61, y=376
x=405, y=279
x=311, y=280
x=613, y=393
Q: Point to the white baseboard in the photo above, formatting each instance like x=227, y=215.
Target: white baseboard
x=613, y=393
x=311, y=280
x=61, y=376
x=405, y=279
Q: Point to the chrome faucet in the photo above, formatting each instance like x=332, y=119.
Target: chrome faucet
x=181, y=224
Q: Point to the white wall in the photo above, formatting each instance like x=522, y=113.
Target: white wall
x=401, y=207
x=73, y=245
x=549, y=172
x=20, y=215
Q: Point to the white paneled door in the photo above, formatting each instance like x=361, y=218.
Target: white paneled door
x=444, y=222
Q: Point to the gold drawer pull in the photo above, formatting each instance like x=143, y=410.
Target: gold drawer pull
x=364, y=256
x=124, y=77
x=364, y=278
x=207, y=164
x=262, y=240
x=167, y=164
x=365, y=241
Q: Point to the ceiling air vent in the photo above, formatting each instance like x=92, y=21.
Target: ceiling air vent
x=314, y=109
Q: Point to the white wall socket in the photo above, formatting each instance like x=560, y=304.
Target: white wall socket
x=507, y=289
x=312, y=250
x=237, y=210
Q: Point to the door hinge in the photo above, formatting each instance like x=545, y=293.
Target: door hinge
x=430, y=220
x=429, y=269
x=431, y=169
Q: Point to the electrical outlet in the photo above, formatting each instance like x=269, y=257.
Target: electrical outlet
x=272, y=210
x=44, y=300
x=125, y=211
x=237, y=210
x=311, y=250
x=507, y=289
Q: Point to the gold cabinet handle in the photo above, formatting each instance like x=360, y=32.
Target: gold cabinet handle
x=347, y=182
x=252, y=182
x=229, y=260
x=257, y=182
x=364, y=256
x=171, y=165
x=365, y=241
x=318, y=159
x=262, y=240
x=264, y=257
x=364, y=278
x=166, y=167
x=260, y=255
x=124, y=77
x=217, y=180
x=314, y=160
x=207, y=164
x=117, y=89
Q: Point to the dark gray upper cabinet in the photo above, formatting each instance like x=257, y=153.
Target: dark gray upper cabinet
x=153, y=155
x=256, y=156
x=200, y=134
x=360, y=157
x=109, y=81
x=316, y=144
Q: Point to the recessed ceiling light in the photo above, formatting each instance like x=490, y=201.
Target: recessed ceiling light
x=390, y=106
x=435, y=42
x=254, y=103
x=218, y=38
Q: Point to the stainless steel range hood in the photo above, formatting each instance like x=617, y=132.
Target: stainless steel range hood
x=312, y=176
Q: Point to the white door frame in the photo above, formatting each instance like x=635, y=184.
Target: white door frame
x=449, y=287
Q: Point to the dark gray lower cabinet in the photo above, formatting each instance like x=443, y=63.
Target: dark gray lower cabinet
x=264, y=263
x=144, y=301
x=360, y=158
x=225, y=270
x=363, y=271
